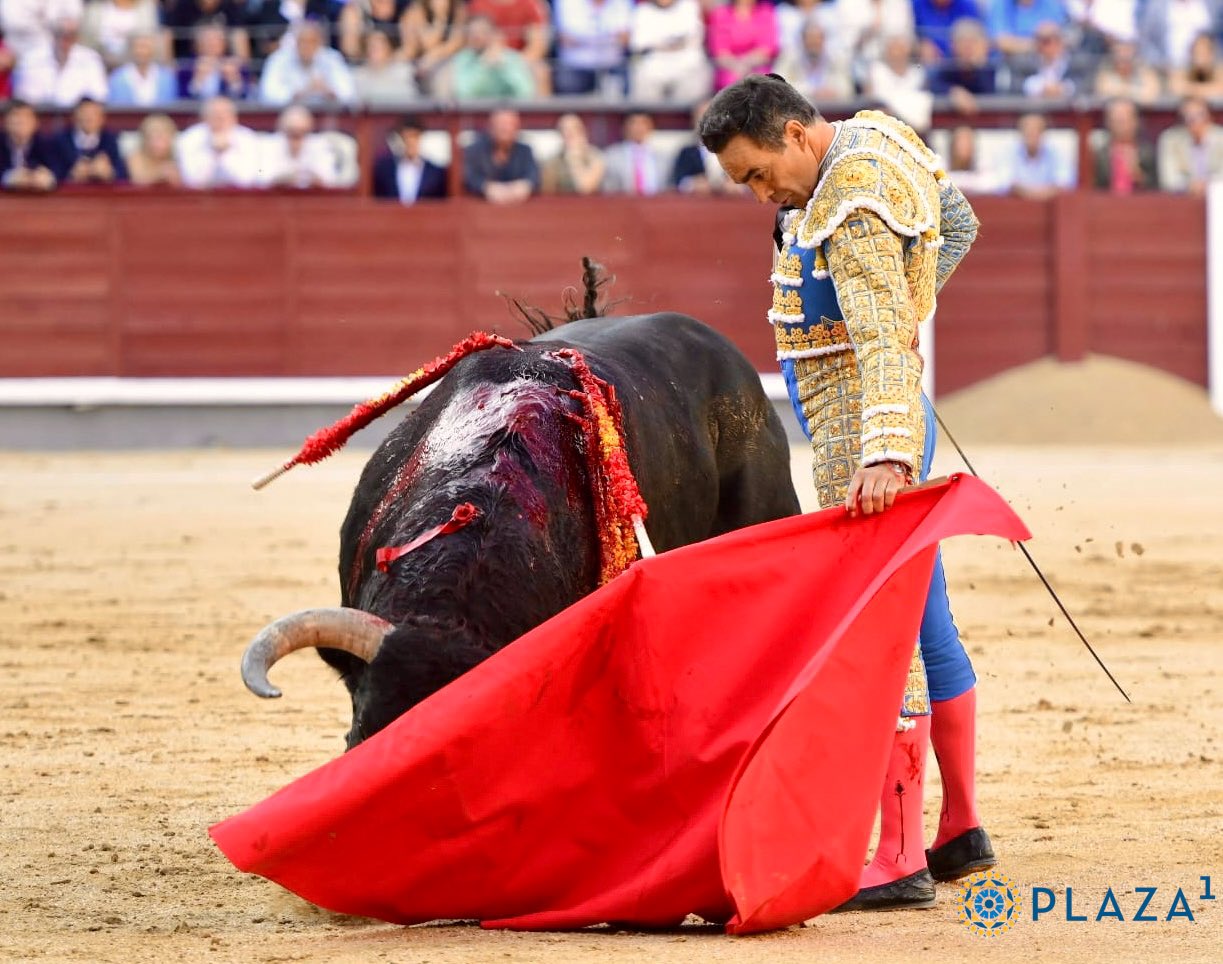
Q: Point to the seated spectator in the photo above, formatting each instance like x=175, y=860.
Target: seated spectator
x=964, y=168
x=696, y=170
x=1167, y=28
x=899, y=83
x=1203, y=75
x=212, y=72
x=1056, y=77
x=303, y=70
x=218, y=151
x=401, y=173
x=485, y=68
x=383, y=78
x=142, y=82
x=933, y=20
x=526, y=27
x=27, y=23
x=1125, y=163
x=1191, y=154
x=1098, y=24
x=667, y=42
x=62, y=72
x=8, y=60
x=793, y=17
x=743, y=39
x=633, y=166
x=812, y=71
x=183, y=18
x=867, y=26
x=435, y=34
x=579, y=167
x=359, y=18
x=108, y=26
x=296, y=157
x=25, y=157
x=498, y=166
x=1037, y=172
x=1013, y=24
x=592, y=46
x=86, y=152
x=269, y=21
x=152, y=162
x=970, y=72
x=1124, y=75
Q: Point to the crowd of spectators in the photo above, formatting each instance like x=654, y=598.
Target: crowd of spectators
x=298, y=55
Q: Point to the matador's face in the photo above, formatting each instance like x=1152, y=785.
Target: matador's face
x=785, y=175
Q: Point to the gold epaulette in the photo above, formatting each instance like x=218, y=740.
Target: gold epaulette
x=880, y=164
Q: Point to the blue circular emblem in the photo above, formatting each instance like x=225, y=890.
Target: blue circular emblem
x=989, y=904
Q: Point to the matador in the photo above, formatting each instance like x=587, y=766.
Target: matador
x=869, y=230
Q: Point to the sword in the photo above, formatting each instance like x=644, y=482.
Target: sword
x=1032, y=562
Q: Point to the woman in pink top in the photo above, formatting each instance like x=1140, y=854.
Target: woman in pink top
x=742, y=40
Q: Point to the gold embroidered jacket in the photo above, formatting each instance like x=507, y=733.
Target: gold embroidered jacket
x=859, y=269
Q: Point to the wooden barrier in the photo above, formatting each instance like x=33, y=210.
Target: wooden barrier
x=245, y=284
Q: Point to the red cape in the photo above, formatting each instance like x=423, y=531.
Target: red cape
x=705, y=734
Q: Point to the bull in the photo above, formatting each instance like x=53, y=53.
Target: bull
x=497, y=436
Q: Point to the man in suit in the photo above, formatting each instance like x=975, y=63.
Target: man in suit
x=633, y=167
x=86, y=152
x=25, y=158
x=401, y=173
x=1125, y=163
x=1191, y=154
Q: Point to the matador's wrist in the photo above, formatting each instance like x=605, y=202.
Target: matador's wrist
x=902, y=470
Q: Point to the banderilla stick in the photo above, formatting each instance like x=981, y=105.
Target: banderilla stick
x=1035, y=568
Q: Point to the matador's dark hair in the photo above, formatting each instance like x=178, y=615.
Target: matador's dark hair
x=758, y=107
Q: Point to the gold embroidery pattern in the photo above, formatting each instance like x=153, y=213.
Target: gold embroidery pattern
x=826, y=335
x=790, y=265
x=787, y=301
x=917, y=693
x=867, y=261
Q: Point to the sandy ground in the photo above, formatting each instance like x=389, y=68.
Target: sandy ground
x=130, y=583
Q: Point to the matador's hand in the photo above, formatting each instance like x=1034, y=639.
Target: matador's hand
x=873, y=488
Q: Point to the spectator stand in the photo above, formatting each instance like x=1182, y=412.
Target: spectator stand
x=1073, y=126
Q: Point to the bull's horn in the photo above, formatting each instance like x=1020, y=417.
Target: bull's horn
x=351, y=630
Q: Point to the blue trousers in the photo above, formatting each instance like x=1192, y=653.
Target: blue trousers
x=949, y=671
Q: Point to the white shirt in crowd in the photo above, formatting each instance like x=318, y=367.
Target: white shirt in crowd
x=407, y=178
x=1186, y=19
x=286, y=78
x=39, y=78
x=27, y=23
x=859, y=31
x=313, y=166
x=655, y=26
x=593, y=30
x=235, y=164
x=1113, y=18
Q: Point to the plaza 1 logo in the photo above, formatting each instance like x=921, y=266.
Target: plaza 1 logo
x=990, y=904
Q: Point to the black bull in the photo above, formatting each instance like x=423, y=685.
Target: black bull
x=706, y=446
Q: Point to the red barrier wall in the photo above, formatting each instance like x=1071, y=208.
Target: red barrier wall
x=159, y=284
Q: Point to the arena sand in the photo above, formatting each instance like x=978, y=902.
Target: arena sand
x=130, y=583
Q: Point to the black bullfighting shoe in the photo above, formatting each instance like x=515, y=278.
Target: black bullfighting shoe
x=960, y=856
x=914, y=892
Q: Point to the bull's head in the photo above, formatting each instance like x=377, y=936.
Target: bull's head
x=398, y=666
